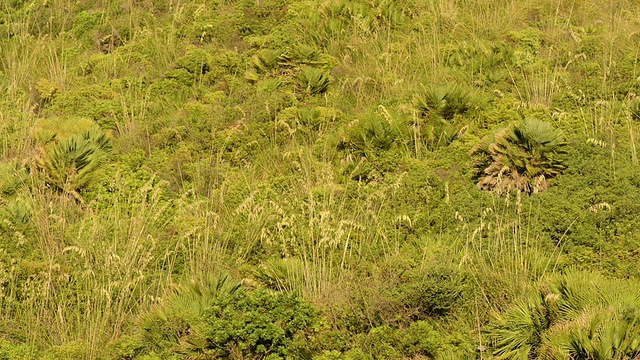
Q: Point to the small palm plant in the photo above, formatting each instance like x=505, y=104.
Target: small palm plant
x=71, y=152
x=371, y=135
x=524, y=156
x=177, y=322
x=444, y=112
x=313, y=81
x=264, y=62
x=12, y=177
x=302, y=55
x=578, y=315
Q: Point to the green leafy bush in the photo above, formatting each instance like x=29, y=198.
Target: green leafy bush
x=258, y=323
x=218, y=318
x=432, y=293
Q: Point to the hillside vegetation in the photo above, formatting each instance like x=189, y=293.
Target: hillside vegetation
x=319, y=179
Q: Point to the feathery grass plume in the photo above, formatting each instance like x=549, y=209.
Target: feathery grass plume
x=313, y=81
x=523, y=156
x=577, y=315
x=71, y=152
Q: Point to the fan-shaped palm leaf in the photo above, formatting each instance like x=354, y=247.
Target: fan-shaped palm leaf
x=523, y=156
x=579, y=315
x=12, y=177
x=313, y=81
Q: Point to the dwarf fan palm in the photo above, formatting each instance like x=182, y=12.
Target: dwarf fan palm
x=12, y=177
x=313, y=81
x=71, y=155
x=523, y=156
x=444, y=110
x=579, y=315
x=176, y=322
x=264, y=62
x=370, y=135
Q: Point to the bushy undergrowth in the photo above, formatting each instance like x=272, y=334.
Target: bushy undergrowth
x=370, y=172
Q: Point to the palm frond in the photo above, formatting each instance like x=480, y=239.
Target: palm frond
x=12, y=177
x=265, y=61
x=71, y=153
x=313, y=81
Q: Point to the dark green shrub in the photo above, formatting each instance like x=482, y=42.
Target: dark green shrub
x=219, y=319
x=419, y=339
x=258, y=323
x=196, y=61
x=432, y=293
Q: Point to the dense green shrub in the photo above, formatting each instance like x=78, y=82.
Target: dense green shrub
x=431, y=293
x=220, y=319
x=258, y=323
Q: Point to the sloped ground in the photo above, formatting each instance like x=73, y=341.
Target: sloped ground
x=176, y=177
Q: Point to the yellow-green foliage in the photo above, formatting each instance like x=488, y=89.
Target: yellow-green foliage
x=327, y=149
